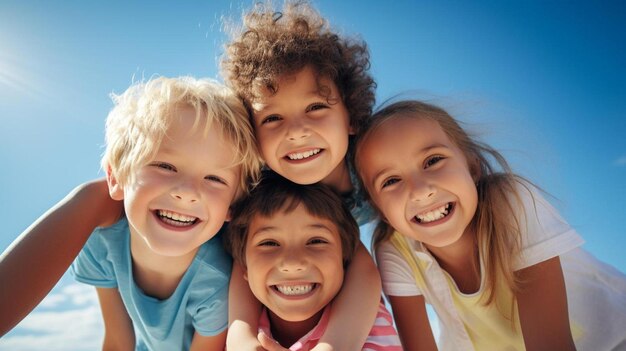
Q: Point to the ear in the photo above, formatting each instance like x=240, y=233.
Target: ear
x=115, y=189
x=351, y=130
x=228, y=215
x=245, y=274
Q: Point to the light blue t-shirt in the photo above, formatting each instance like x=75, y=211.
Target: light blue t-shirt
x=199, y=303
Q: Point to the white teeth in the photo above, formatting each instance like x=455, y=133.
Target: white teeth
x=176, y=219
x=434, y=215
x=301, y=155
x=294, y=289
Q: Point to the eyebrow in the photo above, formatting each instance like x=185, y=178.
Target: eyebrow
x=309, y=94
x=425, y=150
x=271, y=228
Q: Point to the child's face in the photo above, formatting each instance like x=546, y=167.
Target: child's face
x=300, y=134
x=181, y=199
x=294, y=263
x=419, y=179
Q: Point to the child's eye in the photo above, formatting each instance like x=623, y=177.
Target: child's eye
x=315, y=107
x=433, y=160
x=217, y=179
x=390, y=181
x=269, y=243
x=315, y=241
x=270, y=119
x=164, y=165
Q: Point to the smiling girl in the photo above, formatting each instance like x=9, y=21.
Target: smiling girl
x=460, y=231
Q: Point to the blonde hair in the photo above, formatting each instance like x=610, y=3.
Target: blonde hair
x=142, y=114
x=496, y=221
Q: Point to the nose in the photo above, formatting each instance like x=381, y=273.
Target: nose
x=185, y=190
x=421, y=189
x=292, y=261
x=297, y=129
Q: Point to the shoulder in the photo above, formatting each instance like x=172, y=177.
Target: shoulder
x=104, y=256
x=212, y=257
x=208, y=289
x=544, y=233
x=383, y=335
x=108, y=239
x=398, y=277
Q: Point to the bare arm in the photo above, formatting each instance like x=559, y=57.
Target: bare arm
x=409, y=313
x=208, y=343
x=355, y=307
x=244, y=311
x=118, y=327
x=54, y=239
x=542, y=306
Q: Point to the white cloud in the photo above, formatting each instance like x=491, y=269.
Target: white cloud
x=68, y=319
x=620, y=162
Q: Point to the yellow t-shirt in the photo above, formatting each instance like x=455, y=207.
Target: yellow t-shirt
x=492, y=327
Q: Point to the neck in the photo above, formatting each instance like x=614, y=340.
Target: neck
x=157, y=275
x=461, y=261
x=288, y=333
x=339, y=178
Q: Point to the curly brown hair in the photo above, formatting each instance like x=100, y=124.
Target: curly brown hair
x=270, y=45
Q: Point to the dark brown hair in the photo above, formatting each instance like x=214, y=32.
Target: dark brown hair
x=276, y=194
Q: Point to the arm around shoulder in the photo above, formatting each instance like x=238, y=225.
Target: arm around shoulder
x=354, y=309
x=244, y=311
x=54, y=239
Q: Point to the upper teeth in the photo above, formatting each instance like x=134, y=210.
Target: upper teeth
x=176, y=218
x=294, y=289
x=434, y=215
x=301, y=155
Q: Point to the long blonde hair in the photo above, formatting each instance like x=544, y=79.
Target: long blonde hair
x=497, y=219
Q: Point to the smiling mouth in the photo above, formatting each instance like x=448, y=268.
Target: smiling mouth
x=295, y=290
x=434, y=215
x=296, y=156
x=176, y=219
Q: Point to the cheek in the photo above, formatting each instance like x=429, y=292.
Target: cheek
x=387, y=206
x=265, y=141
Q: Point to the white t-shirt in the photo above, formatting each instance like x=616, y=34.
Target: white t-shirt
x=596, y=291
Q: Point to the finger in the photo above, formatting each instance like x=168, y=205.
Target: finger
x=269, y=344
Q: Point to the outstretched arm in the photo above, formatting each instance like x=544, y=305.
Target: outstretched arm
x=53, y=240
x=542, y=303
x=355, y=307
x=244, y=311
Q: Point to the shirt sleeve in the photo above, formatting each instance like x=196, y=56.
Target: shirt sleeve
x=383, y=335
x=92, y=265
x=211, y=314
x=544, y=233
x=396, y=274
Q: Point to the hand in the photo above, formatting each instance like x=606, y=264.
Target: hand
x=268, y=344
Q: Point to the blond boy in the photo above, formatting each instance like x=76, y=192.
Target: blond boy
x=179, y=151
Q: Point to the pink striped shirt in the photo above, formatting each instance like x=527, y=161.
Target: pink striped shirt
x=382, y=337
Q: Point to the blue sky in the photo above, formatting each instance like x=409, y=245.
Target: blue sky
x=543, y=81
